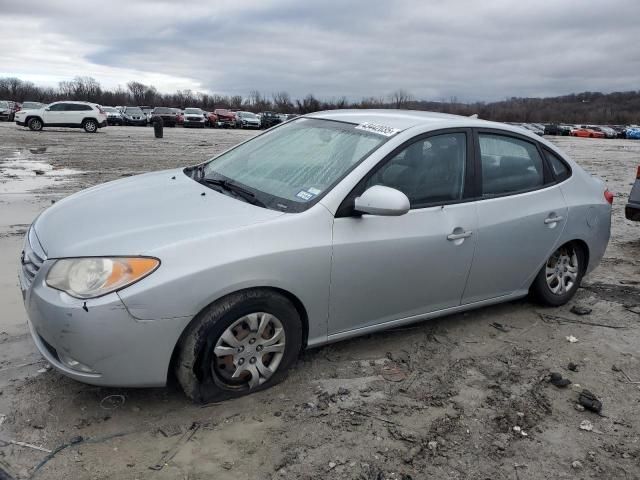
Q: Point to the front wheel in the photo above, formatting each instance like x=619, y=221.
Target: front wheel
x=560, y=277
x=35, y=124
x=241, y=344
x=90, y=126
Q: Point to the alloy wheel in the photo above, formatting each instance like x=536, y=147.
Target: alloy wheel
x=249, y=351
x=562, y=270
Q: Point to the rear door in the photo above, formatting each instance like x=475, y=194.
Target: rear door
x=521, y=214
x=392, y=268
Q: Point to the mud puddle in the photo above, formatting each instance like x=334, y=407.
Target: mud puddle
x=28, y=170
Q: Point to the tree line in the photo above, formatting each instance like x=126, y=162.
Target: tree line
x=587, y=107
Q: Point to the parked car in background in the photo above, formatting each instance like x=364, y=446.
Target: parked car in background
x=331, y=226
x=167, y=115
x=556, y=129
x=632, y=133
x=194, y=117
x=586, y=132
x=179, y=116
x=533, y=128
x=147, y=111
x=114, y=117
x=134, y=116
x=226, y=118
x=247, y=120
x=608, y=132
x=211, y=119
x=632, y=208
x=6, y=112
x=32, y=105
x=269, y=119
x=85, y=115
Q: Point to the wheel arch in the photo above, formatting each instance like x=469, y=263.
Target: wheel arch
x=297, y=303
x=28, y=119
x=90, y=118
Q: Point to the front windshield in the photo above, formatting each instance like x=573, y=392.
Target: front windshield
x=247, y=115
x=109, y=109
x=193, y=110
x=134, y=110
x=291, y=165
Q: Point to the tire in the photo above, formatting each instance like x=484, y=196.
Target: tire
x=35, y=124
x=206, y=376
x=554, y=292
x=90, y=126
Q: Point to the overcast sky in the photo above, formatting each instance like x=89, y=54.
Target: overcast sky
x=469, y=49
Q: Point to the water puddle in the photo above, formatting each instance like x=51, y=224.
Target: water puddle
x=28, y=170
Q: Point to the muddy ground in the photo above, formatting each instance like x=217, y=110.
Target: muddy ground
x=439, y=399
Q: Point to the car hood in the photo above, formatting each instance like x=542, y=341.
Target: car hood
x=140, y=214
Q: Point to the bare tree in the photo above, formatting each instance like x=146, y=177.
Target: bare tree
x=401, y=98
x=137, y=90
x=282, y=102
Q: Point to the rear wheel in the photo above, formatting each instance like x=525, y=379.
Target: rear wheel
x=90, y=126
x=239, y=345
x=560, y=277
x=35, y=124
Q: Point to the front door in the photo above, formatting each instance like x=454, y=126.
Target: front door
x=391, y=268
x=520, y=217
x=56, y=114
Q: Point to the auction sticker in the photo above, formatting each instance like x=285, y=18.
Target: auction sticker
x=304, y=195
x=377, y=128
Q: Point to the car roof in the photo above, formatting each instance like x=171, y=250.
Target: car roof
x=405, y=119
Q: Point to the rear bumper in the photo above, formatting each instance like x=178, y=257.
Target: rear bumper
x=22, y=124
x=632, y=211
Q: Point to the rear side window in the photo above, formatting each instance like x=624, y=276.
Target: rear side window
x=560, y=168
x=509, y=165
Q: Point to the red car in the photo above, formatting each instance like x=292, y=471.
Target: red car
x=586, y=132
x=226, y=118
x=179, y=116
x=212, y=119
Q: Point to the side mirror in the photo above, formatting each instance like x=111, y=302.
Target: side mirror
x=383, y=201
x=48, y=109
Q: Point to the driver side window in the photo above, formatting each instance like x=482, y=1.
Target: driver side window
x=429, y=171
x=58, y=107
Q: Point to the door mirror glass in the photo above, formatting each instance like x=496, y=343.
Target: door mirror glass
x=384, y=201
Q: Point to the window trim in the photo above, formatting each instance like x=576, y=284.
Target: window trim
x=556, y=180
x=347, y=208
x=547, y=175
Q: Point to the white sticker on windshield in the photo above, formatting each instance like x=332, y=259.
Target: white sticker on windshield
x=379, y=129
x=305, y=195
x=314, y=191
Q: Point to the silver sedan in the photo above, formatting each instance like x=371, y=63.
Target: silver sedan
x=329, y=226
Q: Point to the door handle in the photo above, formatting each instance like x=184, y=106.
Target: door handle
x=549, y=220
x=458, y=236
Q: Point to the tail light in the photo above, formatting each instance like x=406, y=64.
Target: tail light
x=609, y=196
x=100, y=109
x=638, y=172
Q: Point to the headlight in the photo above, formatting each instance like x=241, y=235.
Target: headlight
x=93, y=277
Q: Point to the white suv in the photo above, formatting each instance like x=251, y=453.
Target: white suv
x=64, y=114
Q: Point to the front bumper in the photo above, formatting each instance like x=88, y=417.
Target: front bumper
x=139, y=123
x=100, y=334
x=632, y=211
x=189, y=123
x=115, y=121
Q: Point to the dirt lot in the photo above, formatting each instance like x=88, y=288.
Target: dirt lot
x=439, y=399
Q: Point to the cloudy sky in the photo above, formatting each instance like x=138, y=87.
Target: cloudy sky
x=469, y=49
